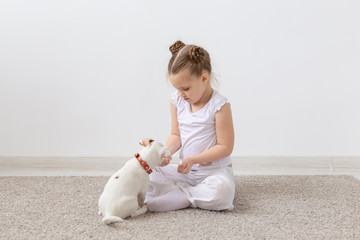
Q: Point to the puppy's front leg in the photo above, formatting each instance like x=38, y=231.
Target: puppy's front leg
x=139, y=211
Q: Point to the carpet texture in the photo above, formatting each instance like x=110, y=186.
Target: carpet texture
x=266, y=207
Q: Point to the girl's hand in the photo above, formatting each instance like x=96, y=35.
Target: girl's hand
x=185, y=166
x=165, y=161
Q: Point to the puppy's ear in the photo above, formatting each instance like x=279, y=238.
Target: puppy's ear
x=145, y=142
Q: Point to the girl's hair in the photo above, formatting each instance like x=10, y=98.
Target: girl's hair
x=191, y=57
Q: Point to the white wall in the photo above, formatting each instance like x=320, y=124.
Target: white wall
x=87, y=78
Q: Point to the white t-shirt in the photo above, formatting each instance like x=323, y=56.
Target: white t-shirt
x=197, y=130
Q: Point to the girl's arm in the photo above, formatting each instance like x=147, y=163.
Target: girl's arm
x=173, y=142
x=225, y=141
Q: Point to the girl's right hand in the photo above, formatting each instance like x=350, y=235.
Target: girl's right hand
x=165, y=161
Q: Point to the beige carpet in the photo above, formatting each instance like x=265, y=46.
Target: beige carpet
x=266, y=207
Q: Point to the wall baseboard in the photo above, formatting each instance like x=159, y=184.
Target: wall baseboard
x=244, y=165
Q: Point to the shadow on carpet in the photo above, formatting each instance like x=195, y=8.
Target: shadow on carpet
x=266, y=207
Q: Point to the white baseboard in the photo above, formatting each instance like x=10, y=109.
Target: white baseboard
x=243, y=165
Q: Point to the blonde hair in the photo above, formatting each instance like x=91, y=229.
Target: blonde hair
x=191, y=57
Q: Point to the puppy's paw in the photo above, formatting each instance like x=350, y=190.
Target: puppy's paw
x=111, y=219
x=140, y=211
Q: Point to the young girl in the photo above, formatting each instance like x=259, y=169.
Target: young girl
x=202, y=128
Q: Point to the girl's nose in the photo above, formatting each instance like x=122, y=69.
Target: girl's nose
x=181, y=94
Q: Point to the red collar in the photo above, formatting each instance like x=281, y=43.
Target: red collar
x=143, y=163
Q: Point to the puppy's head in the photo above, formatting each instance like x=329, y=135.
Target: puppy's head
x=154, y=152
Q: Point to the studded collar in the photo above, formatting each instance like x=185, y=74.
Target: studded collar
x=143, y=163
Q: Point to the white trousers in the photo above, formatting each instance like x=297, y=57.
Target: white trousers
x=212, y=189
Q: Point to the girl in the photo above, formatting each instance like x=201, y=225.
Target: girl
x=202, y=128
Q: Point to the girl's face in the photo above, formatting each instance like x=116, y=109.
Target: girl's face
x=190, y=87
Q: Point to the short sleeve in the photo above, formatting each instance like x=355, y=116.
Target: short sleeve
x=219, y=101
x=176, y=100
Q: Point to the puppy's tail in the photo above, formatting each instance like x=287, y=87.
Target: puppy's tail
x=111, y=219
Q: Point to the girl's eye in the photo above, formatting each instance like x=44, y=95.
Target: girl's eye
x=186, y=89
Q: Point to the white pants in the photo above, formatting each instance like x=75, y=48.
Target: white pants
x=212, y=189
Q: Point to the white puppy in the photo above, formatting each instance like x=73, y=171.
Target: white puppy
x=124, y=193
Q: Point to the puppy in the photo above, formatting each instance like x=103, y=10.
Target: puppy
x=124, y=193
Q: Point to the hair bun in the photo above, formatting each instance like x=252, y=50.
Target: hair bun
x=176, y=47
x=196, y=54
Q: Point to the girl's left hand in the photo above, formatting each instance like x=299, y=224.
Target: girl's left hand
x=185, y=166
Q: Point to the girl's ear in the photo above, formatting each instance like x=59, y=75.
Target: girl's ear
x=204, y=77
